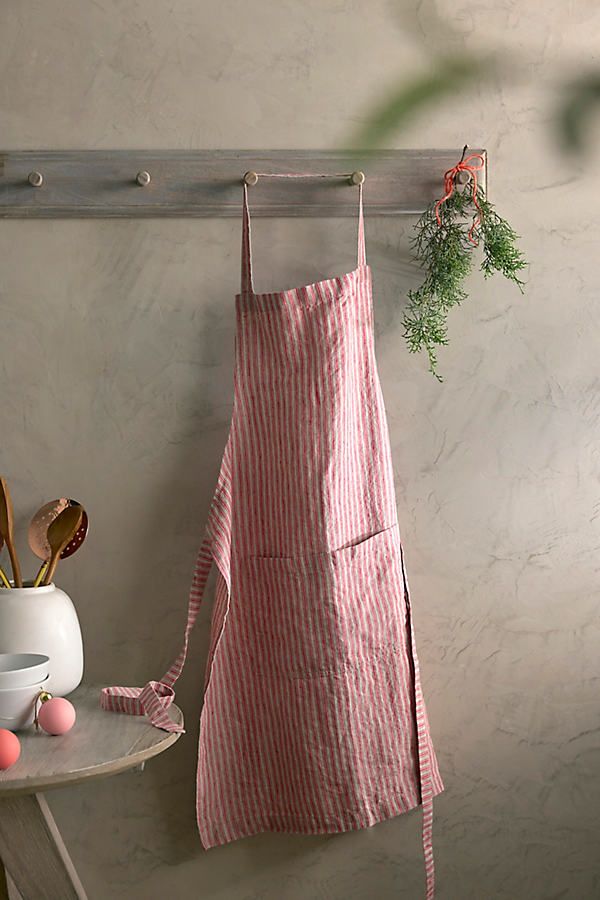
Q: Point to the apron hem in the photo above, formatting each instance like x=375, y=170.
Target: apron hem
x=266, y=823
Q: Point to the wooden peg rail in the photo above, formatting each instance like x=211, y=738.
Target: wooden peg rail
x=208, y=183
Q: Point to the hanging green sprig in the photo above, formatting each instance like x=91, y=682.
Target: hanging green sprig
x=443, y=245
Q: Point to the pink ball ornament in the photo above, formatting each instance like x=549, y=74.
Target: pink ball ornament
x=10, y=748
x=56, y=716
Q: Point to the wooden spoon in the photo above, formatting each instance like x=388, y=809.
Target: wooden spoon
x=60, y=532
x=3, y=577
x=6, y=530
x=38, y=533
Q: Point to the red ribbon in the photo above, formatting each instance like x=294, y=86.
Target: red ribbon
x=449, y=185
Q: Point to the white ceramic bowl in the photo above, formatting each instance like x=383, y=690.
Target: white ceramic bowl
x=17, y=705
x=22, y=669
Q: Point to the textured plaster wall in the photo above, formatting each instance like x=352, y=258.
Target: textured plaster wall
x=116, y=362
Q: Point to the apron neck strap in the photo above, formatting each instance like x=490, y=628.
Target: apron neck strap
x=247, y=284
x=362, y=253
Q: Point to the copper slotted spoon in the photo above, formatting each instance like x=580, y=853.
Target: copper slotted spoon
x=38, y=533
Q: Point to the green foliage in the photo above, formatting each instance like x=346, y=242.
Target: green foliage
x=400, y=105
x=446, y=255
x=453, y=76
x=579, y=100
x=500, y=253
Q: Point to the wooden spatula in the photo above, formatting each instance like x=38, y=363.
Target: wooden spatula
x=60, y=532
x=3, y=577
x=6, y=530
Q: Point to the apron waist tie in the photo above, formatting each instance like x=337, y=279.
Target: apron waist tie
x=423, y=754
x=428, y=848
x=153, y=701
x=155, y=698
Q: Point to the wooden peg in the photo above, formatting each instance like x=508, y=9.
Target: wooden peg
x=357, y=178
x=251, y=178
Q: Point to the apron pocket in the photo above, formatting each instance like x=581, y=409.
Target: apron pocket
x=323, y=613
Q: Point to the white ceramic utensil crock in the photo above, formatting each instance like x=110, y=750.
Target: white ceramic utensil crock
x=17, y=705
x=43, y=620
x=22, y=669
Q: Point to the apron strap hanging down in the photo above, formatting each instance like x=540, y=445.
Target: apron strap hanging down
x=155, y=698
x=362, y=253
x=247, y=286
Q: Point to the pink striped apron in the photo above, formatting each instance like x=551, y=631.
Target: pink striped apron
x=313, y=718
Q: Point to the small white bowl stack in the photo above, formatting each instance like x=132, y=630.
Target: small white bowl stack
x=22, y=677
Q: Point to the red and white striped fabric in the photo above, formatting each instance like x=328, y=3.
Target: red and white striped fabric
x=313, y=718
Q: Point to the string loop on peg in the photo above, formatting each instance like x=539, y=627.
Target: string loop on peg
x=357, y=178
x=251, y=178
x=35, y=179
x=143, y=178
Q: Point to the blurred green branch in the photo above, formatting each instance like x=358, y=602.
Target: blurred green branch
x=578, y=103
x=400, y=105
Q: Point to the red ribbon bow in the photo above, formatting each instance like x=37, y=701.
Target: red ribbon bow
x=449, y=185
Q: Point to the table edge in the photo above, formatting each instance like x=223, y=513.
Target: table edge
x=39, y=785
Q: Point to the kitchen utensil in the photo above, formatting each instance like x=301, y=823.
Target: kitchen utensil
x=38, y=531
x=22, y=669
x=60, y=533
x=6, y=530
x=3, y=576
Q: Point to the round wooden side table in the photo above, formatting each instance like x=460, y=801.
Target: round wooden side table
x=34, y=862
